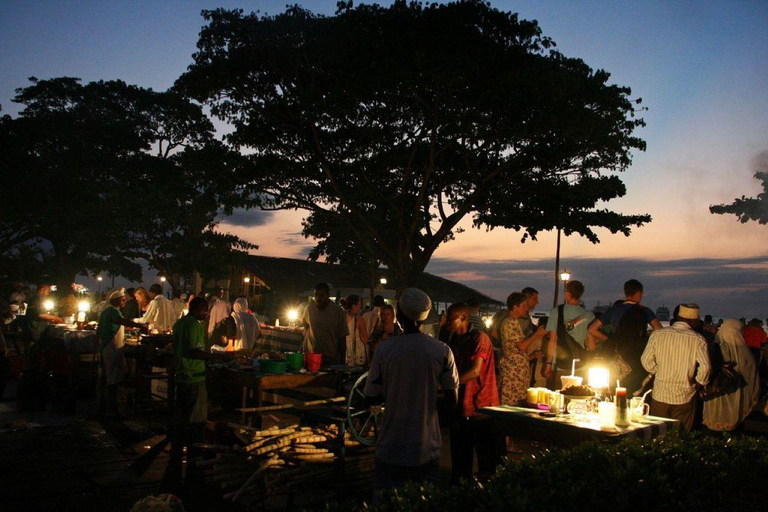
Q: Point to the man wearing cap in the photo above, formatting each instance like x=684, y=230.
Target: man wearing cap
x=112, y=365
x=406, y=373
x=677, y=356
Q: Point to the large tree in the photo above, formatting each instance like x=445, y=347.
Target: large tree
x=105, y=173
x=748, y=208
x=398, y=122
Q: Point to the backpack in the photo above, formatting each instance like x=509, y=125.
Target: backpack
x=631, y=335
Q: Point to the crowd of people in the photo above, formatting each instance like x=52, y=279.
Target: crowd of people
x=476, y=366
x=469, y=364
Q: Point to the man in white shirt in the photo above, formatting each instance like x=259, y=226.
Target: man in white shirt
x=677, y=356
x=160, y=312
x=219, y=312
x=406, y=373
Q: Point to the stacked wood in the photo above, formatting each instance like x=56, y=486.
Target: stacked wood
x=284, y=460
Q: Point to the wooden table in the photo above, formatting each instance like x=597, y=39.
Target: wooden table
x=564, y=430
x=260, y=382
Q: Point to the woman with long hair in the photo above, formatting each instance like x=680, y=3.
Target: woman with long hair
x=142, y=297
x=356, y=353
x=387, y=328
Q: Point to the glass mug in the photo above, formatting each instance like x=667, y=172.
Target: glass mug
x=638, y=409
x=578, y=408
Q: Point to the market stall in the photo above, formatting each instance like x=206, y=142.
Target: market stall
x=570, y=429
x=281, y=339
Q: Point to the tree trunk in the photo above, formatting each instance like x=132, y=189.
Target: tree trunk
x=557, y=269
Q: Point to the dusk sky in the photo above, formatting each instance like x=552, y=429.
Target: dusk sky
x=700, y=67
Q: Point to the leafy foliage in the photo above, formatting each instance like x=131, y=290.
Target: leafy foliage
x=748, y=208
x=397, y=122
x=107, y=173
x=694, y=472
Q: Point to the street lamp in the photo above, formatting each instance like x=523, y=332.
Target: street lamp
x=564, y=277
x=99, y=279
x=383, y=281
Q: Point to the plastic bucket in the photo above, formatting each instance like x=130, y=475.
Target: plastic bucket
x=313, y=361
x=272, y=366
x=295, y=360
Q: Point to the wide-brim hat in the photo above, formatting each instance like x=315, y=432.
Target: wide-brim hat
x=115, y=294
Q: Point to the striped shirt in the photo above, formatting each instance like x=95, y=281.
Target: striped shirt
x=678, y=357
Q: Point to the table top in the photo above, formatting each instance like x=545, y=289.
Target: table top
x=585, y=428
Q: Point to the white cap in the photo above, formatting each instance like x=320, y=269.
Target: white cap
x=415, y=304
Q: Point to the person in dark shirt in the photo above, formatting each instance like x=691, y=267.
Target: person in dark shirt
x=472, y=432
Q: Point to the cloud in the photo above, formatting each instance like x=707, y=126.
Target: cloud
x=723, y=287
x=247, y=218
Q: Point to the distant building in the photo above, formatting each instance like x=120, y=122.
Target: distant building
x=275, y=285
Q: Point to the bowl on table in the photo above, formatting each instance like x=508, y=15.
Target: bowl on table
x=273, y=366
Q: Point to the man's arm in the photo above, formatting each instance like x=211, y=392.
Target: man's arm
x=546, y=369
x=594, y=330
x=129, y=323
x=705, y=367
x=655, y=324
x=648, y=359
x=474, y=372
x=451, y=398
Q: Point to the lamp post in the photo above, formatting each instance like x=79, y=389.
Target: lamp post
x=246, y=283
x=564, y=277
x=99, y=279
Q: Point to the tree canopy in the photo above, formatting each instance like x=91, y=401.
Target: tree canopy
x=106, y=173
x=748, y=208
x=398, y=122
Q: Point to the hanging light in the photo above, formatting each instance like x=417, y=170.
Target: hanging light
x=565, y=275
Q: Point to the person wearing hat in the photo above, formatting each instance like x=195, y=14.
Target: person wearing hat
x=678, y=358
x=112, y=365
x=406, y=373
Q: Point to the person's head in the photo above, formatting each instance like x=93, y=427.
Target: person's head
x=322, y=294
x=142, y=297
x=755, y=322
x=220, y=292
x=44, y=288
x=189, y=299
x=387, y=314
x=688, y=313
x=532, y=296
x=352, y=304
x=517, y=302
x=129, y=292
x=472, y=305
x=155, y=290
x=574, y=289
x=458, y=318
x=413, y=308
x=378, y=301
x=240, y=305
x=707, y=319
x=198, y=308
x=633, y=290
x=117, y=297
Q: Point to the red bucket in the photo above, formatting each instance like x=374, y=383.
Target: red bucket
x=313, y=361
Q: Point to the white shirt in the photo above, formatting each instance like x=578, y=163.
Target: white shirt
x=220, y=311
x=678, y=357
x=371, y=319
x=160, y=313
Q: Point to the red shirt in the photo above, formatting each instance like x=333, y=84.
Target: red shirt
x=755, y=337
x=481, y=391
